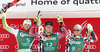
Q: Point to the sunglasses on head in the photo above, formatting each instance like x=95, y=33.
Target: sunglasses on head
x=76, y=30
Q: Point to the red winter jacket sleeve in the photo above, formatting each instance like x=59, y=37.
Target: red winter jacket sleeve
x=65, y=32
x=32, y=32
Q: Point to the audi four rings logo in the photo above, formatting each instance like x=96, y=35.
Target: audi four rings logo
x=90, y=47
x=35, y=46
x=4, y=35
x=4, y=46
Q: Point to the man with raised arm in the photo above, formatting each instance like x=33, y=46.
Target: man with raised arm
x=50, y=39
x=23, y=38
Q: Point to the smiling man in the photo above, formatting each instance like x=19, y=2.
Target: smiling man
x=77, y=42
x=50, y=39
x=23, y=38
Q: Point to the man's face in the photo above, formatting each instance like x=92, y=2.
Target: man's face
x=48, y=28
x=26, y=26
x=77, y=31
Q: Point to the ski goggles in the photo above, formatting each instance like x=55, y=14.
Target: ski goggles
x=76, y=30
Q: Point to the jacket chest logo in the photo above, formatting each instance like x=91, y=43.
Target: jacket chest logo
x=49, y=38
x=23, y=34
x=74, y=42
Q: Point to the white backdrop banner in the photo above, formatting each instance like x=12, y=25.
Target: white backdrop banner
x=53, y=5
